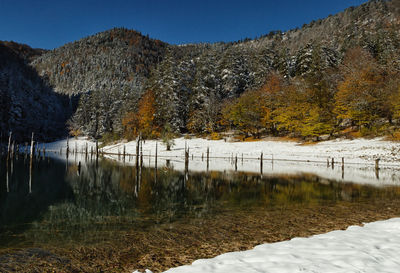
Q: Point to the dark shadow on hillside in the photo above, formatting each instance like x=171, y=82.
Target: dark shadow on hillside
x=27, y=102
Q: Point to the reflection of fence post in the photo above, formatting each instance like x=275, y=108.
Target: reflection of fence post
x=79, y=168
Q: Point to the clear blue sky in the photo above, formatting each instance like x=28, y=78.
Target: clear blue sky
x=52, y=23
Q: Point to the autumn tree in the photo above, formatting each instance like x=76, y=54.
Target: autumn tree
x=247, y=113
x=142, y=121
x=131, y=125
x=362, y=96
x=146, y=114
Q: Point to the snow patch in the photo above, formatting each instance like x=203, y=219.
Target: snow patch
x=372, y=248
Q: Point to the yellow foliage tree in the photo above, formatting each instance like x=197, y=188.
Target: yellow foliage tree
x=362, y=95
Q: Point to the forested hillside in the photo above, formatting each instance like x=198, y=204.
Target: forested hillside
x=332, y=76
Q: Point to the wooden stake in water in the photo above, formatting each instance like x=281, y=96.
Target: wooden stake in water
x=67, y=150
x=9, y=146
x=333, y=163
x=141, y=154
x=97, y=151
x=86, y=151
x=186, y=160
x=155, y=161
x=261, y=163
x=236, y=159
x=208, y=158
x=12, y=149
x=124, y=153
x=31, y=163
x=137, y=150
x=44, y=151
x=377, y=167
x=377, y=163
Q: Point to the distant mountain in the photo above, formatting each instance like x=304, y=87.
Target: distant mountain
x=24, y=51
x=110, y=71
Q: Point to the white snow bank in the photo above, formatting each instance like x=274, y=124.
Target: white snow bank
x=74, y=143
x=373, y=248
x=354, y=151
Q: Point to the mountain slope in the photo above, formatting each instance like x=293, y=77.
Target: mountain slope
x=114, y=59
x=27, y=104
x=108, y=72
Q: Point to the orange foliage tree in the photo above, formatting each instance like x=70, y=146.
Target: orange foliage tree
x=142, y=121
x=362, y=95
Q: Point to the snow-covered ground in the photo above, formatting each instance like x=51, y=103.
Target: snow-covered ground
x=280, y=157
x=354, y=151
x=373, y=248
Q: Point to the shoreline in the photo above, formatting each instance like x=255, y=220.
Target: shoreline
x=355, y=151
x=279, y=157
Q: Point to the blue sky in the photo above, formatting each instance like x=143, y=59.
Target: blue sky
x=51, y=23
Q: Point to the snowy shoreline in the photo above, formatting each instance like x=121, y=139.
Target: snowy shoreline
x=280, y=157
x=369, y=248
x=357, y=151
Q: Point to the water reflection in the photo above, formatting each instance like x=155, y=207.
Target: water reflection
x=89, y=202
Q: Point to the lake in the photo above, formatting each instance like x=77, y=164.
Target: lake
x=117, y=217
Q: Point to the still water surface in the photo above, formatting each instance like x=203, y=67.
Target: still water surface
x=97, y=202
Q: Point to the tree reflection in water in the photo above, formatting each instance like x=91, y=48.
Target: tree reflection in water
x=107, y=198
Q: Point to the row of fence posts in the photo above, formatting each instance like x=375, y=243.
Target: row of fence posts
x=13, y=151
